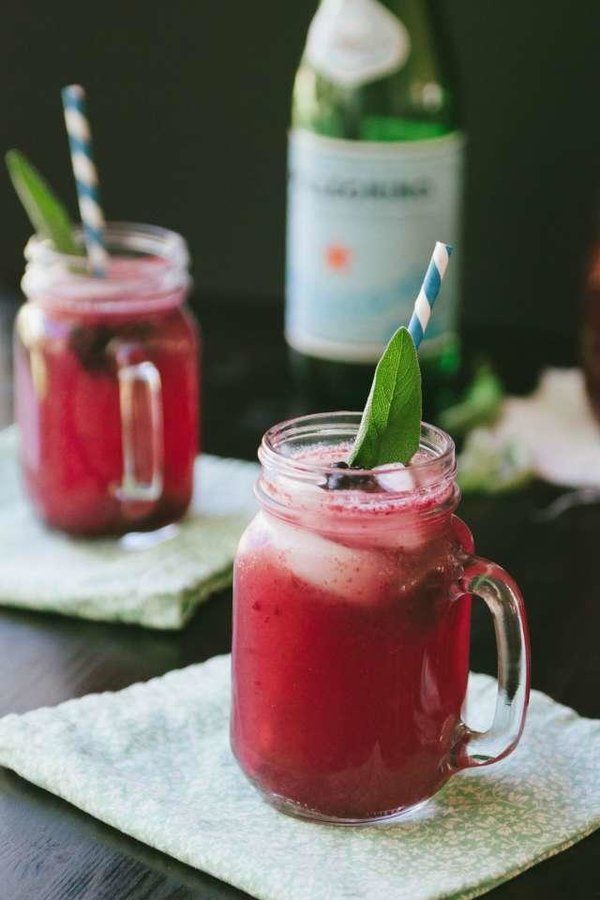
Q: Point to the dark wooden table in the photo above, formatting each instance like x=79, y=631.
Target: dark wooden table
x=51, y=851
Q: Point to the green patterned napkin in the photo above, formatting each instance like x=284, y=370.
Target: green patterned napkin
x=153, y=760
x=153, y=582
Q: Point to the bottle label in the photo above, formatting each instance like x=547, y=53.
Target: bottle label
x=363, y=218
x=355, y=41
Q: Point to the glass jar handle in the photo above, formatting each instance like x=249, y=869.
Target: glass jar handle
x=141, y=406
x=505, y=602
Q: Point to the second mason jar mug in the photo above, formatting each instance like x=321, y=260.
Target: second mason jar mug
x=106, y=375
x=352, y=606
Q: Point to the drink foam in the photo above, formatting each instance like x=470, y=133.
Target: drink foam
x=399, y=488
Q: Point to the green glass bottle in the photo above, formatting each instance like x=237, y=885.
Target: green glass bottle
x=375, y=162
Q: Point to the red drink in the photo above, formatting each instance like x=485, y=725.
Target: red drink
x=591, y=331
x=106, y=388
x=351, y=638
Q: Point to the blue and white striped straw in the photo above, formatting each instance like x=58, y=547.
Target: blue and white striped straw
x=429, y=291
x=86, y=177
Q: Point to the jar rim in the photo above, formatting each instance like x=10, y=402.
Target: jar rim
x=438, y=445
x=157, y=279
x=149, y=240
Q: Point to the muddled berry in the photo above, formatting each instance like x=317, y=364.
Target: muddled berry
x=89, y=344
x=343, y=482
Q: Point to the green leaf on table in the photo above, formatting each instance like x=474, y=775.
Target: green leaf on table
x=480, y=405
x=390, y=428
x=491, y=463
x=47, y=214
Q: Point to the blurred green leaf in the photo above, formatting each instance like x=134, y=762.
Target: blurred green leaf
x=480, y=404
x=492, y=464
x=47, y=214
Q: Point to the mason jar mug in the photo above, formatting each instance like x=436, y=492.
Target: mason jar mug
x=352, y=608
x=106, y=378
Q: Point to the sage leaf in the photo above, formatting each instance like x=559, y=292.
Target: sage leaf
x=390, y=428
x=47, y=214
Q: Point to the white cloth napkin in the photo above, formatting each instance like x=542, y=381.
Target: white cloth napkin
x=156, y=581
x=556, y=426
x=153, y=760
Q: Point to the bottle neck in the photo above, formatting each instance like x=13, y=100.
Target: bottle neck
x=375, y=71
x=429, y=53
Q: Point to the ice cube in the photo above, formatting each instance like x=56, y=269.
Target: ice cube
x=355, y=574
x=395, y=480
x=410, y=528
x=407, y=534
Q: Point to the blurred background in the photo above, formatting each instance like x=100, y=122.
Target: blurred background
x=190, y=107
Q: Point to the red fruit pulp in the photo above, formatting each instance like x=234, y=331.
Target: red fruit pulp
x=591, y=332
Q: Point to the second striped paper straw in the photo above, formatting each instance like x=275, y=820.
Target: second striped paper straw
x=429, y=291
x=86, y=177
